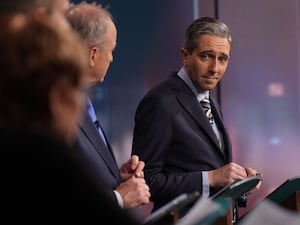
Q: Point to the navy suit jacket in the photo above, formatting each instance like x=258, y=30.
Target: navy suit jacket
x=98, y=158
x=175, y=140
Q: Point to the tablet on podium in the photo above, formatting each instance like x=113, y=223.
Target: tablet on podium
x=237, y=188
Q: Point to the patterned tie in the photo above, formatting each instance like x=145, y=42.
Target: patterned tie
x=205, y=103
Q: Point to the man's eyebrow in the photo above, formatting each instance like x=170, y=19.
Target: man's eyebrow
x=213, y=52
x=207, y=51
x=225, y=55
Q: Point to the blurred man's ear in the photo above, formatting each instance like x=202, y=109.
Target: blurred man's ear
x=39, y=12
x=94, y=52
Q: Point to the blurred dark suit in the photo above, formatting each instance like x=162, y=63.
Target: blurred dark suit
x=42, y=183
x=98, y=158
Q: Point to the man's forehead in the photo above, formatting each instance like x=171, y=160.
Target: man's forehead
x=214, y=43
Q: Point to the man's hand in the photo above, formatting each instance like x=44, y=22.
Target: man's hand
x=229, y=173
x=134, y=192
x=226, y=174
x=132, y=167
x=251, y=172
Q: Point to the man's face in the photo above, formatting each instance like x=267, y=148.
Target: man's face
x=208, y=62
x=104, y=55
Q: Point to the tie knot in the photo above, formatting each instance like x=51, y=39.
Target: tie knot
x=205, y=103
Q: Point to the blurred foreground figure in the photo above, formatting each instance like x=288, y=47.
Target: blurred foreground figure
x=52, y=9
x=41, y=97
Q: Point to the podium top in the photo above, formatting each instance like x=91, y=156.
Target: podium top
x=285, y=190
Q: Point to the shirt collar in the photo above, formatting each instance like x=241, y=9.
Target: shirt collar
x=185, y=77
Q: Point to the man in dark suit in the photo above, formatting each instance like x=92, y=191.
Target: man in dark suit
x=183, y=151
x=126, y=185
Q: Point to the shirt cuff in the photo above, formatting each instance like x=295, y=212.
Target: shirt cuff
x=119, y=198
x=205, y=184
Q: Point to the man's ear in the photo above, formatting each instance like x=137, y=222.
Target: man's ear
x=94, y=52
x=184, y=56
x=184, y=53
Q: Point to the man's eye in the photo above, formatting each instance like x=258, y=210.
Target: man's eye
x=204, y=56
x=223, y=59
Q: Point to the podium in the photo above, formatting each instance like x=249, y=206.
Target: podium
x=233, y=191
x=225, y=220
x=287, y=194
x=219, y=210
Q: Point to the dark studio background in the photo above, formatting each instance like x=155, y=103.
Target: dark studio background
x=259, y=93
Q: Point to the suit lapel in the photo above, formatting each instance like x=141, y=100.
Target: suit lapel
x=194, y=109
x=219, y=120
x=189, y=101
x=106, y=153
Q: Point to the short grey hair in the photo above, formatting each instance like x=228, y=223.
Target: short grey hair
x=205, y=26
x=90, y=21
